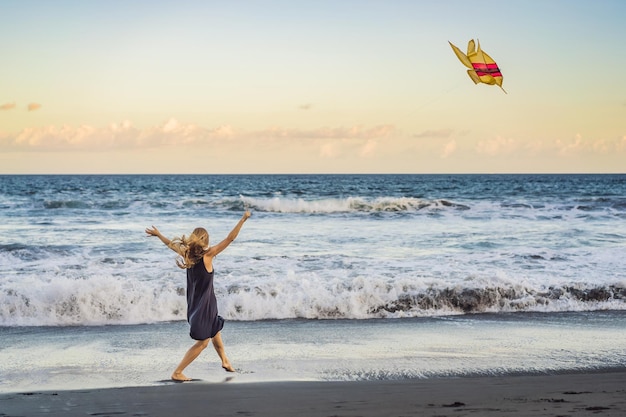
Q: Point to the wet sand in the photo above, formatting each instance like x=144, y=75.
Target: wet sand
x=581, y=394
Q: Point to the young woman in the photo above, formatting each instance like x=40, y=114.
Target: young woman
x=196, y=256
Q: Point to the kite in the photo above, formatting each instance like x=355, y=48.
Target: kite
x=482, y=68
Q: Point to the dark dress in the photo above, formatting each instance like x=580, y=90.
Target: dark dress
x=201, y=303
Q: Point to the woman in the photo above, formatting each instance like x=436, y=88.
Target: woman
x=196, y=256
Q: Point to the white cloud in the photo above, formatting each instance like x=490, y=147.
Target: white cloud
x=496, y=146
x=173, y=132
x=369, y=148
x=333, y=149
x=576, y=145
x=354, y=132
x=449, y=149
x=114, y=136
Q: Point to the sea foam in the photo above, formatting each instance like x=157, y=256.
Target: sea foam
x=99, y=300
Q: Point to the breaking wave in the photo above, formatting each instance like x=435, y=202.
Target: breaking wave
x=349, y=204
x=116, y=300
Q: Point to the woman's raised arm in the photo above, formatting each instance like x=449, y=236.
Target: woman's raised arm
x=214, y=250
x=153, y=231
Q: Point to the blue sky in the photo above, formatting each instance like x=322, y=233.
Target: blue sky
x=310, y=86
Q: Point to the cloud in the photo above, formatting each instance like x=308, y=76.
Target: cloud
x=345, y=148
x=355, y=132
x=440, y=133
x=29, y=107
x=173, y=133
x=114, y=136
x=333, y=143
x=497, y=146
x=576, y=145
x=369, y=148
x=307, y=106
x=449, y=149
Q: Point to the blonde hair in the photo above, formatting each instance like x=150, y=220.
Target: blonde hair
x=191, y=249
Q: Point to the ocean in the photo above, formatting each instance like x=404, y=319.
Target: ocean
x=334, y=277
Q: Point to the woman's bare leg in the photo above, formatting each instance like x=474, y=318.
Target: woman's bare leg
x=218, y=344
x=189, y=357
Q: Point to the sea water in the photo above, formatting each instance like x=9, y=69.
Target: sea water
x=333, y=277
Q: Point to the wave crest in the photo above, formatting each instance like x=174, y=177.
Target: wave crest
x=366, y=299
x=104, y=300
x=498, y=299
x=349, y=204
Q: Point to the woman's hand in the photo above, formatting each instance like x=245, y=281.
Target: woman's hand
x=153, y=231
x=247, y=215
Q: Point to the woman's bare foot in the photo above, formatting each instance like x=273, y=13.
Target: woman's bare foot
x=180, y=377
x=228, y=367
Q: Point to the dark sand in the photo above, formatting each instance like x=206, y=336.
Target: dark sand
x=583, y=394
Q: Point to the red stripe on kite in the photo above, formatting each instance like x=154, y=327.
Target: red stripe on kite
x=487, y=69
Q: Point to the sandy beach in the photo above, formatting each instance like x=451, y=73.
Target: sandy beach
x=582, y=394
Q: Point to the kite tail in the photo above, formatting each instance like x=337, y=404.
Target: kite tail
x=503, y=89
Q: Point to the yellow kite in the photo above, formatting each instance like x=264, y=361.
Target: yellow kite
x=482, y=68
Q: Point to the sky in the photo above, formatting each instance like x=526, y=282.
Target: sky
x=319, y=86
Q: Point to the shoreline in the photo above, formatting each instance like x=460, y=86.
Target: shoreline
x=561, y=394
x=308, y=350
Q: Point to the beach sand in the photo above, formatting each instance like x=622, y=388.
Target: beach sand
x=580, y=394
